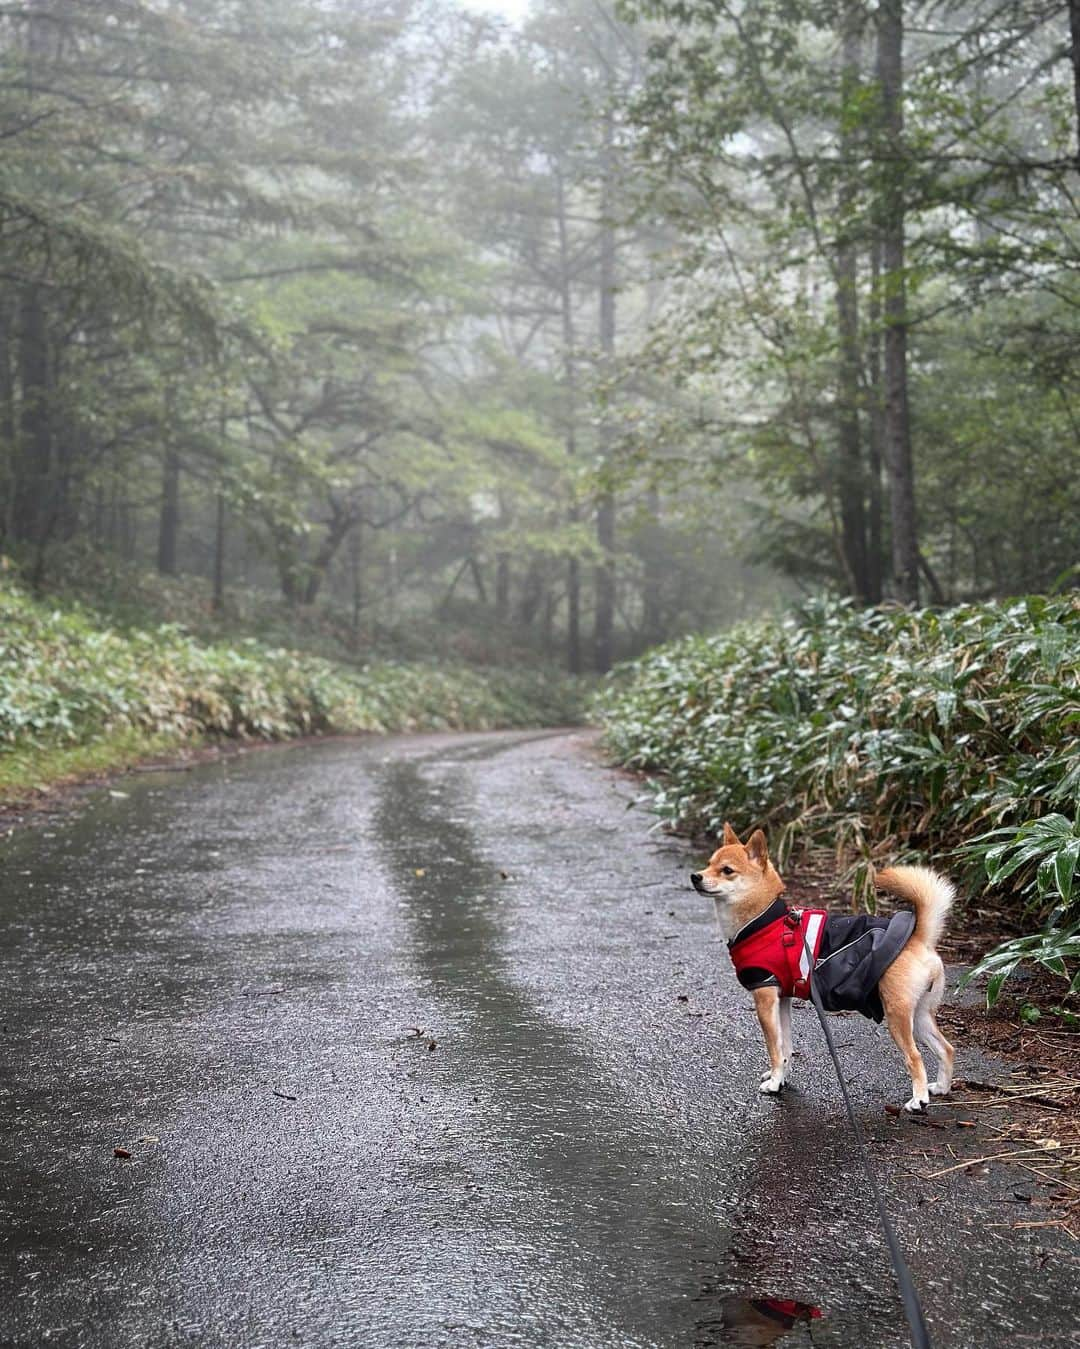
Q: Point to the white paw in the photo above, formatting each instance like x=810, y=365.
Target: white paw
x=915, y=1106
x=772, y=1084
x=940, y=1088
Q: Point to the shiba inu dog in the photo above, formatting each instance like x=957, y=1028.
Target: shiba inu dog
x=882, y=967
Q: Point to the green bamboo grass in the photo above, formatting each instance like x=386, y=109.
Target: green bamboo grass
x=879, y=733
x=78, y=697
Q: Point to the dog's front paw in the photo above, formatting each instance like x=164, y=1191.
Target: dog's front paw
x=915, y=1106
x=938, y=1089
x=772, y=1084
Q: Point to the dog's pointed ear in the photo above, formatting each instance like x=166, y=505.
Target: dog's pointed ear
x=730, y=836
x=757, y=849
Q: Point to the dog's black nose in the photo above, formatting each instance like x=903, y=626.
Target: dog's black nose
x=695, y=878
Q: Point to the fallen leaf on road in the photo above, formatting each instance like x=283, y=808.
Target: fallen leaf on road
x=121, y=1152
x=682, y=997
x=892, y=1110
x=431, y=1044
x=420, y=871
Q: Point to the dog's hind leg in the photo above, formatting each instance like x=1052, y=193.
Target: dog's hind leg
x=929, y=1033
x=900, y=1019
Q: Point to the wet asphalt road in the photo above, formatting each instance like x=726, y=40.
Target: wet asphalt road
x=425, y=1041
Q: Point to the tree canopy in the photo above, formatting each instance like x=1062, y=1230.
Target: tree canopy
x=576, y=335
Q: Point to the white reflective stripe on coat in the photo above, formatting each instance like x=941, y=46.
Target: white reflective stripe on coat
x=810, y=943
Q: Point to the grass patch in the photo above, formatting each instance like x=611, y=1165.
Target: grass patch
x=78, y=697
x=33, y=770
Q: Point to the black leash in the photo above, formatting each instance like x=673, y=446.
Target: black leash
x=920, y=1336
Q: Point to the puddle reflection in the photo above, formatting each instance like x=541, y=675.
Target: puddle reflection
x=757, y=1321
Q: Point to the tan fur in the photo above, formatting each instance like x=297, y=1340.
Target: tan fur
x=743, y=883
x=930, y=895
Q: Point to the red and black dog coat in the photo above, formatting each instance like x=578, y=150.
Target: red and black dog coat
x=848, y=955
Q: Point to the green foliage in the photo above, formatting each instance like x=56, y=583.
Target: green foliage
x=875, y=732
x=1039, y=858
x=66, y=680
x=1051, y=948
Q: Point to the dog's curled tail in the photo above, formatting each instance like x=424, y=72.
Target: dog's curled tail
x=929, y=894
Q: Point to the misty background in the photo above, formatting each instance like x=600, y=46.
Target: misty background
x=535, y=333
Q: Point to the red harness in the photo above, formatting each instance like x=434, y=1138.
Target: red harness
x=781, y=948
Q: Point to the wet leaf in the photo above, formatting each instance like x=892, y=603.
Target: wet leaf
x=122, y=1153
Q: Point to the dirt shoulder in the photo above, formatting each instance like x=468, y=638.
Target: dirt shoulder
x=1026, y=1112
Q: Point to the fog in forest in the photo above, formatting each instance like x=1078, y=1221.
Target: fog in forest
x=535, y=334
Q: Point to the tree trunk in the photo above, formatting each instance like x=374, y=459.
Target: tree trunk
x=573, y=611
x=547, y=622
x=532, y=594
x=315, y=571
x=573, y=570
x=33, y=460
x=219, y=555
x=874, y=525
x=1074, y=55
x=604, y=575
x=169, y=519
x=851, y=486
x=502, y=587
x=898, y=459
x=129, y=530
x=7, y=420
x=474, y=571
x=288, y=563
x=356, y=574
x=652, y=618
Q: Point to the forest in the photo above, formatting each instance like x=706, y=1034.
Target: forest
x=554, y=338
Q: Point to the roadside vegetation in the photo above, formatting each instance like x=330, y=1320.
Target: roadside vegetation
x=882, y=733
x=78, y=696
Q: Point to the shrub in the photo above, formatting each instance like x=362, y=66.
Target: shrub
x=881, y=732
x=66, y=680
